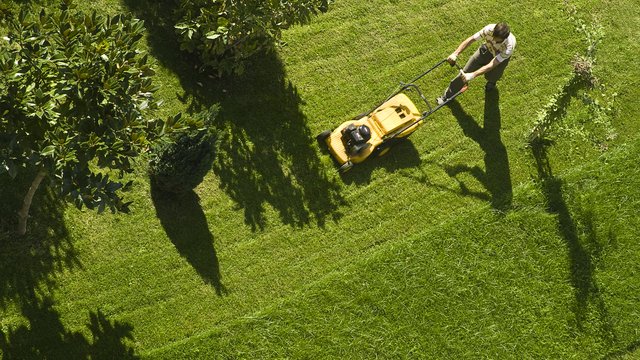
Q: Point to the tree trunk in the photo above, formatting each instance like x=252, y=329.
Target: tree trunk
x=23, y=214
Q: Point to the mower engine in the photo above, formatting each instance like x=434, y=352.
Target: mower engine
x=355, y=138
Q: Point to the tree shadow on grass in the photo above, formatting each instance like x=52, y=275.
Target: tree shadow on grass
x=186, y=225
x=402, y=155
x=32, y=261
x=583, y=255
x=46, y=337
x=29, y=266
x=266, y=154
x=495, y=177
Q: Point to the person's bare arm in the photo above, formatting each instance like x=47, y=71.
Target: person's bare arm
x=485, y=69
x=463, y=45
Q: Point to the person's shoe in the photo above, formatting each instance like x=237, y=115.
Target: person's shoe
x=490, y=86
x=440, y=100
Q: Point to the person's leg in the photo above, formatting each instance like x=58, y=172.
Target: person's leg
x=481, y=57
x=495, y=74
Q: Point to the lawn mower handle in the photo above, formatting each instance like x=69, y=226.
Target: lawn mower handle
x=433, y=68
x=411, y=85
x=431, y=110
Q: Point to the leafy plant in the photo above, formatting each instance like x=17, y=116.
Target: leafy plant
x=583, y=85
x=181, y=164
x=224, y=33
x=6, y=11
x=73, y=92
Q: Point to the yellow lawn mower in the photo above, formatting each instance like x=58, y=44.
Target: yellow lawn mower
x=374, y=132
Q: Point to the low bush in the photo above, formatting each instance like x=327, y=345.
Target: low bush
x=181, y=164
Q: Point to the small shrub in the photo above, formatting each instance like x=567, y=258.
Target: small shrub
x=180, y=165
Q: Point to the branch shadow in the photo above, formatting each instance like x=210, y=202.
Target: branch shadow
x=186, y=225
x=108, y=338
x=266, y=154
x=46, y=337
x=583, y=255
x=495, y=177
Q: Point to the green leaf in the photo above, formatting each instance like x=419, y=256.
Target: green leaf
x=22, y=16
x=13, y=171
x=223, y=22
x=47, y=151
x=91, y=112
x=10, y=168
x=213, y=35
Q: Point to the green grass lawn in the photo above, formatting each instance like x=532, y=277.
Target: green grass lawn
x=461, y=242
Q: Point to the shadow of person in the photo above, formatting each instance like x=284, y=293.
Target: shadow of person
x=186, y=226
x=266, y=154
x=46, y=337
x=495, y=177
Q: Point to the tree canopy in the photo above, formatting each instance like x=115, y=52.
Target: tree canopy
x=224, y=33
x=74, y=89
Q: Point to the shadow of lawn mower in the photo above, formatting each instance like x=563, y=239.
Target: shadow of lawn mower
x=374, y=133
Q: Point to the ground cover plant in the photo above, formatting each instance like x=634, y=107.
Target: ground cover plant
x=464, y=241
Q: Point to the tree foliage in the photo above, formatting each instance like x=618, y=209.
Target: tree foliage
x=73, y=93
x=224, y=33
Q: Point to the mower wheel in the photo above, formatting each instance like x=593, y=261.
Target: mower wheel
x=345, y=167
x=322, y=137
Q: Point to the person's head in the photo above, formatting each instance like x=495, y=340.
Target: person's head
x=501, y=31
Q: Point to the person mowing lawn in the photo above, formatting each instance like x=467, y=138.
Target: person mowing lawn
x=490, y=60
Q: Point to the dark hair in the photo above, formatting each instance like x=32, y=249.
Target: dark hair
x=501, y=30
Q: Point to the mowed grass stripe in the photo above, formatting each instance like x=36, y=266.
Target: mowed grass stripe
x=482, y=285
x=261, y=267
x=381, y=180
x=300, y=261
